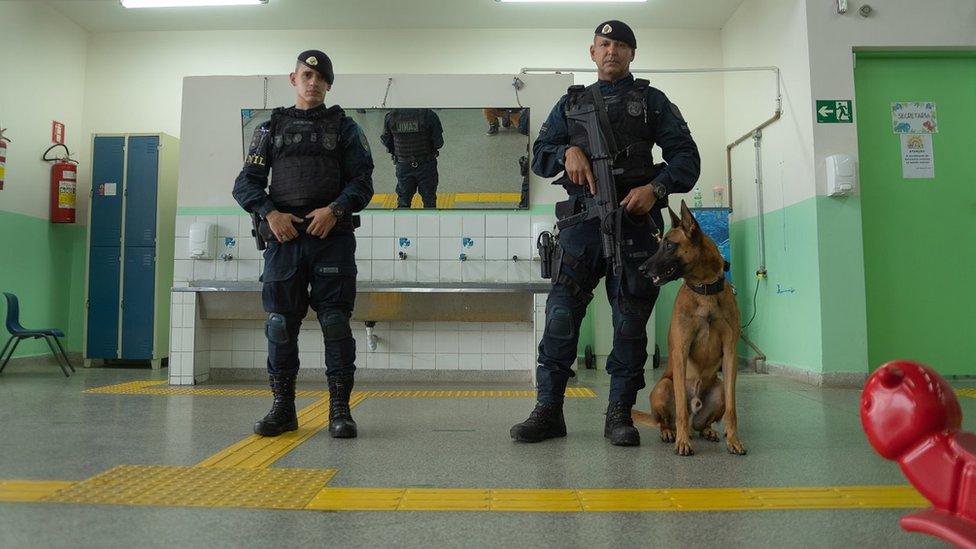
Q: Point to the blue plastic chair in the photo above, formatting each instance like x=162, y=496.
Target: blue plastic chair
x=18, y=333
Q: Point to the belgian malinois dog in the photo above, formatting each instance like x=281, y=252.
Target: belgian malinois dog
x=701, y=340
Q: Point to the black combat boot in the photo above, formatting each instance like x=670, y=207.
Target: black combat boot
x=619, y=426
x=492, y=128
x=282, y=416
x=341, y=424
x=545, y=422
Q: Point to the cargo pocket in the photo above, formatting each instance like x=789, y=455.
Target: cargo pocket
x=334, y=286
x=282, y=291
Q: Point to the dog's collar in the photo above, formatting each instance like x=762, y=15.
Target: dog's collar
x=708, y=289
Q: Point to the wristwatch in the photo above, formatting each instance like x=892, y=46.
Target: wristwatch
x=660, y=191
x=338, y=211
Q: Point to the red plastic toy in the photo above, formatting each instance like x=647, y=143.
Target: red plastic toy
x=911, y=415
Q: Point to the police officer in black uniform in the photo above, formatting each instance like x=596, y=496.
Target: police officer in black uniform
x=413, y=137
x=640, y=117
x=321, y=173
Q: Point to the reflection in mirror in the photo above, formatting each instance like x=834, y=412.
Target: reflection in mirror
x=443, y=158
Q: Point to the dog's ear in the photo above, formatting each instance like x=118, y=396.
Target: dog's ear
x=675, y=220
x=688, y=222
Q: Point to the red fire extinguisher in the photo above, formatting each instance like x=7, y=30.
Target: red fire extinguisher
x=3, y=156
x=64, y=180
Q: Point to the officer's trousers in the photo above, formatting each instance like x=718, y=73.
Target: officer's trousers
x=631, y=296
x=421, y=177
x=317, y=272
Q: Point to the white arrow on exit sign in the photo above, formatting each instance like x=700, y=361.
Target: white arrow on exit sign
x=825, y=111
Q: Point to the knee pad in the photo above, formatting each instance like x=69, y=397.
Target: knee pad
x=335, y=326
x=631, y=328
x=276, y=329
x=560, y=324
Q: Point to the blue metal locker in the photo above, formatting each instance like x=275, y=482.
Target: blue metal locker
x=106, y=203
x=142, y=172
x=103, y=302
x=138, y=287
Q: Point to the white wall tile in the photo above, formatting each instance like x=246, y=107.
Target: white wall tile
x=517, y=342
x=548, y=220
x=496, y=249
x=406, y=271
x=518, y=362
x=493, y=362
x=469, y=326
x=450, y=226
x=221, y=339
x=519, y=225
x=405, y=225
x=365, y=271
x=446, y=362
x=424, y=326
x=520, y=271
x=228, y=225
x=428, y=225
x=176, y=364
x=446, y=342
x=383, y=271
x=182, y=269
x=424, y=342
x=493, y=343
x=246, y=248
x=496, y=271
x=181, y=250
x=383, y=248
x=242, y=359
x=470, y=361
x=226, y=270
x=380, y=361
x=186, y=339
x=423, y=361
x=183, y=223
x=221, y=359
x=473, y=271
x=496, y=225
x=402, y=361
x=243, y=340
x=426, y=249
x=311, y=340
x=470, y=342
x=248, y=269
x=259, y=360
x=450, y=271
x=311, y=360
x=383, y=225
x=364, y=249
x=366, y=225
x=519, y=247
x=189, y=316
x=450, y=249
x=473, y=225
x=204, y=269
x=428, y=271
x=175, y=340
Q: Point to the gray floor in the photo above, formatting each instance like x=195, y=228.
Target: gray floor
x=796, y=435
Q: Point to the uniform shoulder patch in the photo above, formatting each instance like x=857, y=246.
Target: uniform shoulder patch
x=363, y=140
x=677, y=112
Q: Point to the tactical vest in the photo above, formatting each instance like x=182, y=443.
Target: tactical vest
x=411, y=135
x=632, y=128
x=306, y=160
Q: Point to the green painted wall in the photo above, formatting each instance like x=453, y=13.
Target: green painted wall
x=43, y=266
x=919, y=234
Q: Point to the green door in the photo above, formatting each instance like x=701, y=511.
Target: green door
x=919, y=234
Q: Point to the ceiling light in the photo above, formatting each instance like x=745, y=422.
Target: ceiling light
x=573, y=1
x=187, y=3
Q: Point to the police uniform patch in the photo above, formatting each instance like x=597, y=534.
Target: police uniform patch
x=544, y=128
x=677, y=112
x=634, y=108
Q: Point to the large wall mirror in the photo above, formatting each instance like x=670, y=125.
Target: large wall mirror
x=445, y=158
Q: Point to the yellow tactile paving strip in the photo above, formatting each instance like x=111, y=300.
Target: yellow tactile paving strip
x=257, y=452
x=616, y=500
x=160, y=388
x=197, y=487
x=968, y=393
x=30, y=490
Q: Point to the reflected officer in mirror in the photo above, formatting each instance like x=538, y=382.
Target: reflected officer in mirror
x=413, y=137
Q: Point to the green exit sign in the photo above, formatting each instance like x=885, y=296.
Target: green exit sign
x=835, y=111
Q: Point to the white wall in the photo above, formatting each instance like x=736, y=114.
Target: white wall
x=764, y=33
x=903, y=24
x=134, y=80
x=43, y=74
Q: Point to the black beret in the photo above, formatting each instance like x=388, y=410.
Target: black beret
x=319, y=62
x=617, y=30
